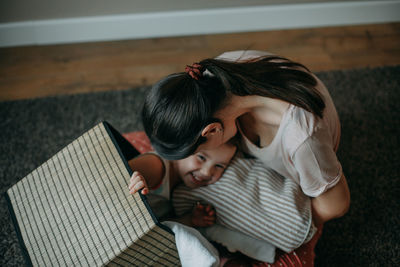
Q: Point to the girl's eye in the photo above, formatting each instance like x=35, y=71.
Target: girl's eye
x=219, y=166
x=201, y=157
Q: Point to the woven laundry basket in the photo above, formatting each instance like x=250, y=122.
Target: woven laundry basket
x=76, y=210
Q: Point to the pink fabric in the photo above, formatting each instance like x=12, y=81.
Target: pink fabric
x=303, y=256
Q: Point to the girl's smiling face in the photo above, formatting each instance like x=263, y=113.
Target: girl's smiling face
x=205, y=166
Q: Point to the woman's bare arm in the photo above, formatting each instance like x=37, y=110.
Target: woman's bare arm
x=334, y=203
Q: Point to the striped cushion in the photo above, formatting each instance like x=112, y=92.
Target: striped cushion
x=256, y=201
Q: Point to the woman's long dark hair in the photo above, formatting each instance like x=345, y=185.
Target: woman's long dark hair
x=178, y=107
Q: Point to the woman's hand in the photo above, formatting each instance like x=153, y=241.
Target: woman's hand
x=138, y=182
x=203, y=215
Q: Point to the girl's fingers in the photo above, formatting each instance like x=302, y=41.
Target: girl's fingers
x=145, y=191
x=136, y=182
x=136, y=187
x=209, y=208
x=133, y=183
x=136, y=179
x=209, y=220
x=211, y=213
x=199, y=206
x=135, y=175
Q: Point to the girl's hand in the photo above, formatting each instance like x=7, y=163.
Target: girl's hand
x=138, y=182
x=203, y=215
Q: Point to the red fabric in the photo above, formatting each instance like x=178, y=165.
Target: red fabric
x=303, y=256
x=139, y=140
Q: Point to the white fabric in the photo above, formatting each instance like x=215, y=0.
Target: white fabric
x=304, y=148
x=236, y=241
x=193, y=248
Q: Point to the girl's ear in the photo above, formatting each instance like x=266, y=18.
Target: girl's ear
x=212, y=129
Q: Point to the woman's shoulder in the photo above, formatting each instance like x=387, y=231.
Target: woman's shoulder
x=299, y=125
x=303, y=127
x=303, y=120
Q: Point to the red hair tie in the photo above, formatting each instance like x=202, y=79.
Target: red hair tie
x=194, y=71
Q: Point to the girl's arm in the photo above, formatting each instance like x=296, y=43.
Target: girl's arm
x=147, y=168
x=334, y=203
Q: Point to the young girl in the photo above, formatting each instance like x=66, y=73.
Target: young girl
x=154, y=174
x=284, y=115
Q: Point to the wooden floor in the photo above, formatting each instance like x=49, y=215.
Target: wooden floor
x=38, y=71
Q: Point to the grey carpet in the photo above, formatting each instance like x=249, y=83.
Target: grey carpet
x=367, y=100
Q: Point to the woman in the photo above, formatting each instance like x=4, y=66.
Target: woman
x=283, y=114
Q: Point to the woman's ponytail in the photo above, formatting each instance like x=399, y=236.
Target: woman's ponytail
x=269, y=76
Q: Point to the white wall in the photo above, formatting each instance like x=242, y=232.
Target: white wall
x=27, y=22
x=26, y=10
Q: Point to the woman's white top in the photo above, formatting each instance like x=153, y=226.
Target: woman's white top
x=304, y=148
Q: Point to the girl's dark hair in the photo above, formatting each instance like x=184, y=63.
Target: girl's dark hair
x=178, y=107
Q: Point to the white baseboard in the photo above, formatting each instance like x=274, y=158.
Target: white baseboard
x=194, y=22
